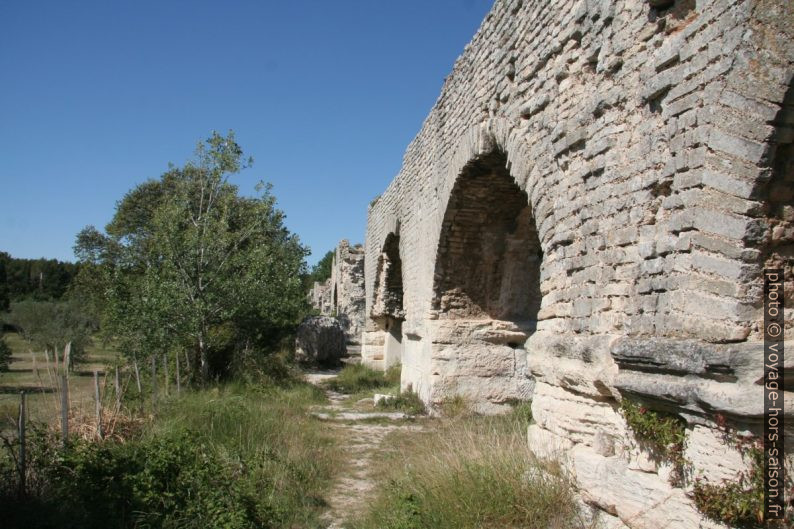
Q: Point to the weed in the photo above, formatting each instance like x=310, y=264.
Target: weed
x=455, y=406
x=663, y=434
x=408, y=402
x=740, y=502
x=357, y=378
x=522, y=411
x=230, y=456
x=475, y=472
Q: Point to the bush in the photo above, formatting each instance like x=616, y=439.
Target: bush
x=231, y=457
x=471, y=473
x=52, y=324
x=355, y=378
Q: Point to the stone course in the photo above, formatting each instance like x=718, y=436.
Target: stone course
x=342, y=294
x=584, y=217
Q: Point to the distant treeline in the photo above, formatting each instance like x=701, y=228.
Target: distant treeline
x=37, y=279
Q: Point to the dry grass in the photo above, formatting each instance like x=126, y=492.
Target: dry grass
x=38, y=374
x=472, y=472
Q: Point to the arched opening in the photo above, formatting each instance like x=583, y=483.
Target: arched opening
x=489, y=254
x=387, y=309
x=487, y=287
x=777, y=249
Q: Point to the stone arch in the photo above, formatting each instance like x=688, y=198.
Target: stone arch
x=389, y=286
x=486, y=293
x=777, y=196
x=489, y=254
x=387, y=312
x=494, y=134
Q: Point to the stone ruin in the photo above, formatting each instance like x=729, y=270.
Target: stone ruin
x=342, y=294
x=584, y=217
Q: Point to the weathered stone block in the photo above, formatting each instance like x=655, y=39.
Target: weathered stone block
x=320, y=341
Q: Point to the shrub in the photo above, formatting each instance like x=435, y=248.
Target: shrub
x=737, y=503
x=232, y=457
x=470, y=473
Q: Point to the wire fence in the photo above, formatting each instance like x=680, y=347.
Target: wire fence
x=98, y=410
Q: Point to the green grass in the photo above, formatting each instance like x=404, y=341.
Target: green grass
x=360, y=380
x=470, y=473
x=30, y=371
x=233, y=456
x=290, y=456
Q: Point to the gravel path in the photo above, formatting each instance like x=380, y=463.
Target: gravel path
x=362, y=443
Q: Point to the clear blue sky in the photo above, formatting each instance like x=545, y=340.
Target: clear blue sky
x=98, y=96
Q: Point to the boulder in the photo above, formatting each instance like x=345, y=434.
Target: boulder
x=320, y=341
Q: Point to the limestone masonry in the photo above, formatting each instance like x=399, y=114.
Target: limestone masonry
x=342, y=295
x=584, y=217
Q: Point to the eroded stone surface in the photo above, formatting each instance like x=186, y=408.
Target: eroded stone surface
x=597, y=188
x=342, y=295
x=320, y=341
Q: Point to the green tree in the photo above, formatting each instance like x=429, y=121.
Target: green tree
x=187, y=262
x=4, y=299
x=322, y=270
x=5, y=354
x=40, y=279
x=52, y=324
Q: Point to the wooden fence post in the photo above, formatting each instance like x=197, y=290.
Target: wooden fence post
x=154, y=379
x=165, y=372
x=53, y=381
x=67, y=357
x=64, y=409
x=117, y=384
x=177, y=372
x=98, y=405
x=22, y=456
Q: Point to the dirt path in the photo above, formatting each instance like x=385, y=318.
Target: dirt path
x=362, y=444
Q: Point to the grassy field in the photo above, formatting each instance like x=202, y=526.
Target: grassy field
x=30, y=371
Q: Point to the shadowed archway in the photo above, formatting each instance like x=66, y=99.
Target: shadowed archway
x=387, y=310
x=486, y=287
x=489, y=255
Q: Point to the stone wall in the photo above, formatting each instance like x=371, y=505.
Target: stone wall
x=342, y=295
x=320, y=297
x=584, y=217
x=347, y=286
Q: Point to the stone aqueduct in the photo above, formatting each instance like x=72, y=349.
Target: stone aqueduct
x=584, y=216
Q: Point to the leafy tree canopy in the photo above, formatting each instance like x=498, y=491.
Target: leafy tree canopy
x=188, y=263
x=39, y=279
x=322, y=270
x=50, y=325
